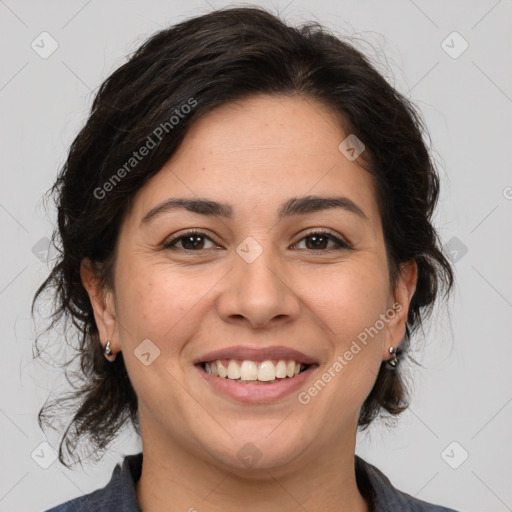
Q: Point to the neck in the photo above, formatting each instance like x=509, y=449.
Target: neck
x=173, y=478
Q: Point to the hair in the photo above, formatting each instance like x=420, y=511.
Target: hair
x=224, y=56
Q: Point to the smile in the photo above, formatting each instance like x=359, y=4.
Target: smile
x=255, y=391
x=247, y=371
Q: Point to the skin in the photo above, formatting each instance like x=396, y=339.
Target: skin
x=254, y=155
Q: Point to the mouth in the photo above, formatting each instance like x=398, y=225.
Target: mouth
x=247, y=372
x=255, y=376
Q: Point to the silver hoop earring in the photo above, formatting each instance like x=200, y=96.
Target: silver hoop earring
x=393, y=362
x=108, y=352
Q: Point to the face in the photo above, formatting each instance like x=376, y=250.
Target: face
x=267, y=273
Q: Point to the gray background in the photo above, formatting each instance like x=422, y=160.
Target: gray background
x=462, y=394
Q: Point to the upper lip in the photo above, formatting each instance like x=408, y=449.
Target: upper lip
x=256, y=354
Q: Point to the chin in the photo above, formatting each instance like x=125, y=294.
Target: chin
x=253, y=455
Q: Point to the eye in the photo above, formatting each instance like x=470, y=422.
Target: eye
x=320, y=238
x=190, y=241
x=194, y=241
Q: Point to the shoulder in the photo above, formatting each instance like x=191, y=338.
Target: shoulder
x=385, y=497
x=118, y=495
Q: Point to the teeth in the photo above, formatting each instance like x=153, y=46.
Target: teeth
x=233, y=370
x=281, y=370
x=213, y=369
x=266, y=371
x=248, y=370
x=221, y=370
x=290, y=369
x=242, y=371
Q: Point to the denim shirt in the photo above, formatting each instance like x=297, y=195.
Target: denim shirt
x=119, y=495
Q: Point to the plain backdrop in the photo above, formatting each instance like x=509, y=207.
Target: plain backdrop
x=453, y=446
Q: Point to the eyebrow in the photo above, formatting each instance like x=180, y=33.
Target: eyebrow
x=292, y=207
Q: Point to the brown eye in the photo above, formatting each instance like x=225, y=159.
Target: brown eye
x=319, y=241
x=190, y=241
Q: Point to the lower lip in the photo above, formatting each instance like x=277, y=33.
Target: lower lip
x=257, y=393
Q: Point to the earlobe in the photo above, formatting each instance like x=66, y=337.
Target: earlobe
x=102, y=305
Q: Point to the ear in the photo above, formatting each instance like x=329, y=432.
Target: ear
x=103, y=306
x=402, y=295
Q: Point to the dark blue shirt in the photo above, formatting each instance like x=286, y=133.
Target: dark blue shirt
x=119, y=495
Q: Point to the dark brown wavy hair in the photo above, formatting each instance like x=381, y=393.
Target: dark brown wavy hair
x=214, y=59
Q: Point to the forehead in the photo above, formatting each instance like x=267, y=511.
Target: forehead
x=258, y=152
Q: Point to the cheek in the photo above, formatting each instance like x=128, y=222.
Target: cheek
x=161, y=307
x=154, y=304
x=162, y=304
x=349, y=303
x=349, y=299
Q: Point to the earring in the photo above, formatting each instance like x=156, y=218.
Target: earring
x=108, y=352
x=393, y=362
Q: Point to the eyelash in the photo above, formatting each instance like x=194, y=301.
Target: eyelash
x=169, y=244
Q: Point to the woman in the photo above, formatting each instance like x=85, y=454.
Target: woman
x=247, y=248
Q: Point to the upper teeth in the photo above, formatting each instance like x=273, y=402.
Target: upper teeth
x=251, y=370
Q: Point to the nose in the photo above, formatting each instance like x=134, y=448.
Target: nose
x=259, y=293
